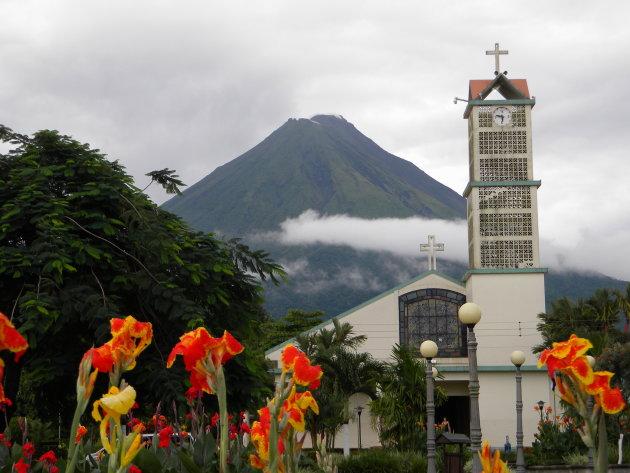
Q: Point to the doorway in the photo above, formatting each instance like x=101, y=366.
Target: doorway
x=457, y=410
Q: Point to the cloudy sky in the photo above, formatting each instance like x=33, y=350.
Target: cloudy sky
x=190, y=85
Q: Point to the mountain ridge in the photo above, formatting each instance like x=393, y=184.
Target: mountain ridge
x=323, y=163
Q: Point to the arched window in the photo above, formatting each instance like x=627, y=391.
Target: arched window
x=431, y=314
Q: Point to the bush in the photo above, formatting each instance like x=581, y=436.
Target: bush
x=555, y=439
x=382, y=461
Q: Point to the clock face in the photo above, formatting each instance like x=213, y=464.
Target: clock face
x=501, y=116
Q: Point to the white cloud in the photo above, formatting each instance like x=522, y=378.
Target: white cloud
x=402, y=237
x=395, y=235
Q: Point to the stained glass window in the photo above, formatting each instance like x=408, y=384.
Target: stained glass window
x=431, y=314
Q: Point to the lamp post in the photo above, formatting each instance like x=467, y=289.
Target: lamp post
x=470, y=314
x=429, y=349
x=518, y=358
x=359, y=409
x=541, y=405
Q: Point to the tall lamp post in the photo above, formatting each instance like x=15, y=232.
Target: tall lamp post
x=470, y=314
x=518, y=358
x=359, y=409
x=428, y=349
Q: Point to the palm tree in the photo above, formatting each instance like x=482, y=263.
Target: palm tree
x=603, y=307
x=398, y=412
x=346, y=372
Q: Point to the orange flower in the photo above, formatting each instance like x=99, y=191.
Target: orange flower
x=12, y=340
x=81, y=431
x=260, y=439
x=492, y=464
x=296, y=406
x=563, y=354
x=304, y=373
x=129, y=339
x=203, y=355
x=610, y=399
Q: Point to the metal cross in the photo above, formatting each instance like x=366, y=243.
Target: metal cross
x=431, y=248
x=496, y=52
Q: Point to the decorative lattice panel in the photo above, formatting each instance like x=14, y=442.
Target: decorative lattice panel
x=485, y=117
x=503, y=169
x=511, y=224
x=507, y=254
x=502, y=142
x=511, y=197
x=519, y=117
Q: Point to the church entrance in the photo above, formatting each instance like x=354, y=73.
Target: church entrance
x=457, y=410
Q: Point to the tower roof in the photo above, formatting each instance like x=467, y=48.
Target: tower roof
x=510, y=89
x=514, y=91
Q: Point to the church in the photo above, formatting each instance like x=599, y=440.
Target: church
x=504, y=279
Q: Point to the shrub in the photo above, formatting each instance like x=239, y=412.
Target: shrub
x=382, y=461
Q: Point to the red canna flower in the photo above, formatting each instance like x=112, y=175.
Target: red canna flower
x=20, y=466
x=81, y=431
x=193, y=394
x=203, y=355
x=129, y=338
x=215, y=419
x=49, y=459
x=134, y=469
x=12, y=340
x=28, y=449
x=165, y=436
x=563, y=354
x=6, y=442
x=304, y=373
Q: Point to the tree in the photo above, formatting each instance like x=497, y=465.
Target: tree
x=293, y=324
x=398, y=412
x=79, y=244
x=595, y=318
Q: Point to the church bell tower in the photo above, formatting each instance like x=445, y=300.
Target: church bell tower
x=504, y=277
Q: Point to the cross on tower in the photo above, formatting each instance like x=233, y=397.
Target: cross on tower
x=431, y=248
x=496, y=52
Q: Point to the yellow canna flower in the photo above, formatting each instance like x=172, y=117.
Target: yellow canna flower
x=135, y=444
x=115, y=403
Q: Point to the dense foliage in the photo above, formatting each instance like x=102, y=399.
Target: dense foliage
x=598, y=318
x=79, y=244
x=399, y=412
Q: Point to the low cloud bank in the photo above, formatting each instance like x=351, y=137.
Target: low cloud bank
x=402, y=237
x=395, y=235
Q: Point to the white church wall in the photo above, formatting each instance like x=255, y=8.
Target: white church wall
x=508, y=320
x=497, y=405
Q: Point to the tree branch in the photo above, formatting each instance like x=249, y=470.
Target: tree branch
x=115, y=246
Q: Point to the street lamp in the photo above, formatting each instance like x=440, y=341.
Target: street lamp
x=470, y=314
x=429, y=349
x=359, y=409
x=518, y=358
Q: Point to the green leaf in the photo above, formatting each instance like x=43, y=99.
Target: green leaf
x=147, y=461
x=188, y=462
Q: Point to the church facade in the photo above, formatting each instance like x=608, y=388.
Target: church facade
x=504, y=279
